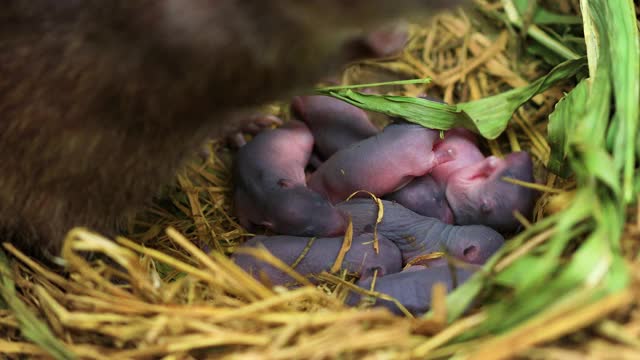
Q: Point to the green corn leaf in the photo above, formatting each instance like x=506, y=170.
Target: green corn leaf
x=562, y=121
x=598, y=163
x=488, y=117
x=577, y=131
x=516, y=272
x=428, y=113
x=589, y=268
x=542, y=16
x=549, y=56
x=491, y=115
x=460, y=299
x=619, y=35
x=535, y=32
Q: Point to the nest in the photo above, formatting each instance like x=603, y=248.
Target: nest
x=169, y=290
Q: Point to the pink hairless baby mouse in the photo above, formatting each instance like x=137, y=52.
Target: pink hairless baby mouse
x=270, y=187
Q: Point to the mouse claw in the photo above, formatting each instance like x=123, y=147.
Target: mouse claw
x=254, y=125
x=237, y=140
x=258, y=123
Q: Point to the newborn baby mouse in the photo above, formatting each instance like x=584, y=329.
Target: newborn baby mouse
x=270, y=189
x=416, y=235
x=479, y=195
x=334, y=123
x=472, y=186
x=102, y=101
x=361, y=257
x=379, y=164
x=412, y=287
x=425, y=196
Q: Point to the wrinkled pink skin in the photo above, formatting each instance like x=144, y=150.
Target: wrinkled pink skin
x=334, y=123
x=426, y=194
x=412, y=287
x=361, y=257
x=416, y=235
x=380, y=164
x=462, y=146
x=472, y=185
x=426, y=197
x=478, y=195
x=270, y=188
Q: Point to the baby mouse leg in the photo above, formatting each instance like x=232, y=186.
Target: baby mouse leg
x=255, y=124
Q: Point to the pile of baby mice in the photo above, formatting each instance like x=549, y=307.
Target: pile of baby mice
x=439, y=194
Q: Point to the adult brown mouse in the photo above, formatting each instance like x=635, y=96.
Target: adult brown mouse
x=101, y=101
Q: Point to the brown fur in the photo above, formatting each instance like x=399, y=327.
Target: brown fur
x=101, y=100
